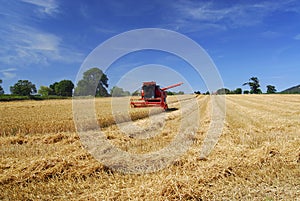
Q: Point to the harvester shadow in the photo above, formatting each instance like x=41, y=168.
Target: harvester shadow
x=171, y=109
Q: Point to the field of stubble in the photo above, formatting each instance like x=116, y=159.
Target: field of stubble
x=257, y=156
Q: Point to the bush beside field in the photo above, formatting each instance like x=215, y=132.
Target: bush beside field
x=8, y=97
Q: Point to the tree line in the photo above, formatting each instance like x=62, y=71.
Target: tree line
x=93, y=83
x=27, y=88
x=253, y=84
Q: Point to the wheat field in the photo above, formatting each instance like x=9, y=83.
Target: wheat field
x=257, y=156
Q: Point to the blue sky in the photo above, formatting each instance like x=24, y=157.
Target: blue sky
x=46, y=41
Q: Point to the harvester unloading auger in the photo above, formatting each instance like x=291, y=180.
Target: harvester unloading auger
x=152, y=96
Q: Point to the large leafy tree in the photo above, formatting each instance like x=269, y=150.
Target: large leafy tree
x=64, y=88
x=254, y=85
x=271, y=89
x=1, y=89
x=23, y=88
x=238, y=91
x=44, y=91
x=118, y=92
x=52, y=87
x=223, y=91
x=94, y=83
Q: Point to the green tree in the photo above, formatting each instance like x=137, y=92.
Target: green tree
x=238, y=91
x=126, y=93
x=223, y=91
x=118, y=92
x=1, y=89
x=254, y=85
x=179, y=93
x=44, y=90
x=271, y=89
x=52, y=87
x=170, y=93
x=246, y=92
x=64, y=88
x=23, y=88
x=93, y=83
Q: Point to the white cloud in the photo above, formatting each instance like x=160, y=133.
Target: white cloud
x=187, y=26
x=270, y=34
x=231, y=15
x=297, y=37
x=23, y=45
x=105, y=30
x=34, y=39
x=26, y=45
x=7, y=74
x=48, y=7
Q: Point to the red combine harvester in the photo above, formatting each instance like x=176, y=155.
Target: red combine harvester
x=152, y=96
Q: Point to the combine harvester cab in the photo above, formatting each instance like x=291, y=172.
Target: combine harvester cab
x=152, y=96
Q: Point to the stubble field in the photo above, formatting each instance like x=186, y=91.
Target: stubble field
x=257, y=156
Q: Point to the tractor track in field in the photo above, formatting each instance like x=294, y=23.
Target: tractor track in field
x=122, y=117
x=149, y=126
x=160, y=137
x=147, y=144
